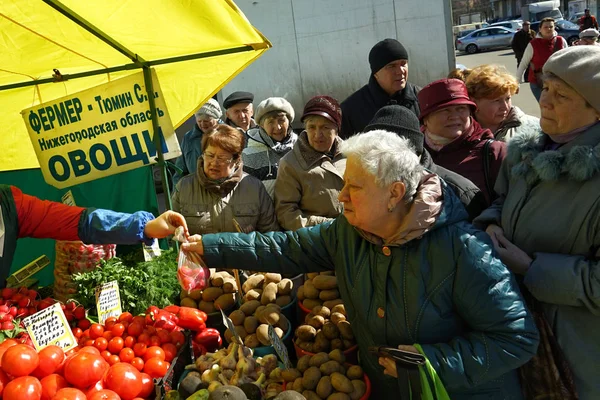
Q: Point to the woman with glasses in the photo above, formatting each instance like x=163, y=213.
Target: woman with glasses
x=220, y=196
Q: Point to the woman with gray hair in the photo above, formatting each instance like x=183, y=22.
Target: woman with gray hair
x=410, y=270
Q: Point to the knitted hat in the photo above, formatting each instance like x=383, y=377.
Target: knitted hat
x=441, y=94
x=326, y=107
x=578, y=66
x=236, y=98
x=385, y=52
x=401, y=121
x=590, y=32
x=274, y=104
x=211, y=108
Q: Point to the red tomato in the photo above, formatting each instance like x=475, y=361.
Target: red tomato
x=109, y=323
x=124, y=379
x=77, y=332
x=69, y=394
x=8, y=343
x=108, y=335
x=113, y=359
x=84, y=324
x=4, y=379
x=105, y=354
x=150, y=330
x=118, y=329
x=154, y=351
x=170, y=351
x=101, y=344
x=163, y=335
x=23, y=388
x=115, y=345
x=126, y=316
x=85, y=369
x=137, y=363
x=97, y=387
x=144, y=338
x=51, y=357
x=129, y=342
x=138, y=319
x=126, y=354
x=139, y=349
x=88, y=343
x=154, y=340
x=147, y=386
x=96, y=330
x=52, y=384
x=177, y=338
x=104, y=394
x=135, y=329
x=155, y=367
x=89, y=349
x=20, y=360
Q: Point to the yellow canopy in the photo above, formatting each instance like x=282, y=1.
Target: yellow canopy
x=195, y=46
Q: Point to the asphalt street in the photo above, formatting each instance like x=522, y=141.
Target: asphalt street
x=524, y=99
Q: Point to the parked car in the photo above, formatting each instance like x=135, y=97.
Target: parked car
x=462, y=34
x=564, y=28
x=515, y=25
x=576, y=17
x=486, y=38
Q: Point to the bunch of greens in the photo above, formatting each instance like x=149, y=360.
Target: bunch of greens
x=141, y=284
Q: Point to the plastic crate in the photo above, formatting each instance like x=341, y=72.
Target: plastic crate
x=184, y=357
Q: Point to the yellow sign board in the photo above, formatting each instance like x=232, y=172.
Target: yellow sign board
x=108, y=301
x=98, y=132
x=50, y=327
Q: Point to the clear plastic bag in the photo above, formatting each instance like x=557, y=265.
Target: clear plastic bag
x=192, y=273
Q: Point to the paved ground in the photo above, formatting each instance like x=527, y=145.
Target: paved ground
x=524, y=99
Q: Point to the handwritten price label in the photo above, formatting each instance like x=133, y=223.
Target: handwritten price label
x=108, y=301
x=280, y=348
x=50, y=327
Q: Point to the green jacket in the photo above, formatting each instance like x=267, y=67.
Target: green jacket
x=445, y=291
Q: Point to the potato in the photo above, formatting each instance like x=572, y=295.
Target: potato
x=324, y=282
x=318, y=359
x=303, y=363
x=330, y=367
x=273, y=306
x=272, y=277
x=330, y=330
x=228, y=336
x=306, y=346
x=206, y=306
x=324, y=387
x=285, y=286
x=279, y=332
x=311, y=378
x=195, y=294
x=297, y=386
x=311, y=303
x=262, y=333
x=241, y=332
x=250, y=324
x=322, y=311
x=253, y=282
x=237, y=317
x=339, y=308
x=300, y=293
x=321, y=343
x=306, y=333
x=308, y=317
x=316, y=322
x=283, y=301
x=252, y=341
x=249, y=307
x=338, y=355
x=332, y=303
x=341, y=383
x=259, y=311
x=225, y=301
x=339, y=396
x=328, y=273
x=229, y=285
x=211, y=293
x=354, y=372
x=216, y=279
x=336, y=344
x=360, y=388
x=253, y=294
x=189, y=302
x=283, y=323
x=290, y=375
x=310, y=395
x=330, y=294
x=311, y=275
x=345, y=330
x=269, y=316
x=337, y=317
x=269, y=294
x=348, y=343
x=310, y=291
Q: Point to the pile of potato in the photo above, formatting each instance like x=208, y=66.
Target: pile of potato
x=252, y=320
x=219, y=295
x=268, y=288
x=325, y=330
x=319, y=289
x=325, y=376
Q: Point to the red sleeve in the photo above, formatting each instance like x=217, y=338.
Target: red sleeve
x=46, y=219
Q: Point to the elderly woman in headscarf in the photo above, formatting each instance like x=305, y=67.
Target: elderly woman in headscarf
x=410, y=270
x=546, y=223
x=268, y=143
x=311, y=176
x=220, y=196
x=455, y=139
x=207, y=119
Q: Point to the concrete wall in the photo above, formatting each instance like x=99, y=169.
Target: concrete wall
x=322, y=46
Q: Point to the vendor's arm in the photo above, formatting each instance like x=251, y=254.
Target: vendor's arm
x=502, y=334
x=305, y=250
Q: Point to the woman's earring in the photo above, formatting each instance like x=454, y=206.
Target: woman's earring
x=390, y=208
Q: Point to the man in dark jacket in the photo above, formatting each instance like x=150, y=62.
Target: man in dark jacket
x=520, y=41
x=405, y=124
x=587, y=21
x=387, y=85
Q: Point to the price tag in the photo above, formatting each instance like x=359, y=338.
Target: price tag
x=68, y=198
x=50, y=326
x=279, y=347
x=108, y=301
x=229, y=324
x=151, y=252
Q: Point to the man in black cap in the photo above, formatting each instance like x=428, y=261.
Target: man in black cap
x=404, y=123
x=239, y=110
x=387, y=85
